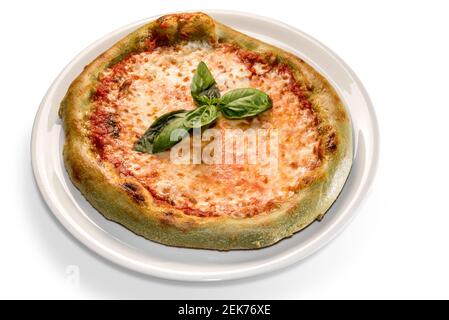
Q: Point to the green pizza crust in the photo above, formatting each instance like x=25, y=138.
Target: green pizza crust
x=126, y=201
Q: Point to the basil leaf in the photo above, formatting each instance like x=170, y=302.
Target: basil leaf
x=203, y=84
x=170, y=135
x=243, y=103
x=202, y=79
x=146, y=142
x=201, y=116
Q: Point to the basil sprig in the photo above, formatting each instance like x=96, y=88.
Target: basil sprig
x=170, y=128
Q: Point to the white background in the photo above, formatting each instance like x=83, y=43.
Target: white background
x=398, y=245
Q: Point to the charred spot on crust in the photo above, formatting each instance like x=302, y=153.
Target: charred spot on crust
x=331, y=144
x=133, y=190
x=113, y=127
x=76, y=174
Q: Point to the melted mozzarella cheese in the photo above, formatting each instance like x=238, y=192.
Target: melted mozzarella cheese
x=159, y=82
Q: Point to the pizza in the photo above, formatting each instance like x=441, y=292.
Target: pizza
x=190, y=74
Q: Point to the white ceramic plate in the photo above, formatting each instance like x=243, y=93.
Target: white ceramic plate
x=121, y=246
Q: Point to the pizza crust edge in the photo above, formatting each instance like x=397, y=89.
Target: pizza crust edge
x=126, y=201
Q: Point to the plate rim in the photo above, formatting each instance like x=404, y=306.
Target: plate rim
x=168, y=273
